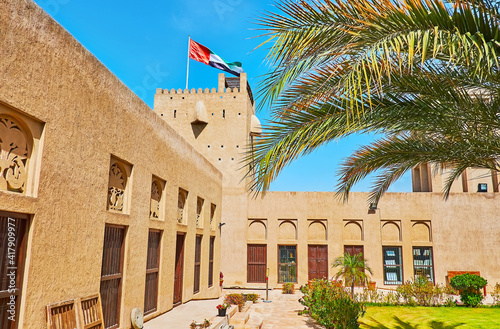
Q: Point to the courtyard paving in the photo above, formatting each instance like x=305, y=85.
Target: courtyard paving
x=281, y=312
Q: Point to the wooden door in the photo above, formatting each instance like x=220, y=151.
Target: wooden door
x=13, y=239
x=256, y=263
x=318, y=261
x=179, y=265
x=353, y=250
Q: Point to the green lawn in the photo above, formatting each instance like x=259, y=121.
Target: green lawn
x=402, y=317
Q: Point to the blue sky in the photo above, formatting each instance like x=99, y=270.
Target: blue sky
x=144, y=43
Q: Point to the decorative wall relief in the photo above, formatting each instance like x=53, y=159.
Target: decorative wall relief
x=257, y=229
x=14, y=153
x=156, y=194
x=116, y=187
x=199, y=212
x=212, y=216
x=353, y=230
x=181, y=206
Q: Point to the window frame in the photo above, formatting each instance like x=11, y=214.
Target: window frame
x=289, y=264
x=386, y=266
x=211, y=261
x=431, y=266
x=197, y=264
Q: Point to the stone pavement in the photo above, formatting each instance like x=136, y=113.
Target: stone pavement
x=180, y=317
x=280, y=313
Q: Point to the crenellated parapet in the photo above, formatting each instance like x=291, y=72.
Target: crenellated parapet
x=226, y=85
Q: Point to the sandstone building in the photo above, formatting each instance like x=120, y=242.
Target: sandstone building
x=100, y=194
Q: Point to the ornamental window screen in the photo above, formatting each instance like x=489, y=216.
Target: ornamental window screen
x=199, y=212
x=181, y=206
x=287, y=261
x=212, y=216
x=422, y=263
x=117, y=185
x=156, y=199
x=393, y=266
x=15, y=150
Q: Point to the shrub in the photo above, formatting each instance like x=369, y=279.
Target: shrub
x=421, y=292
x=469, y=287
x=235, y=299
x=330, y=305
x=252, y=297
x=369, y=295
x=288, y=288
x=496, y=295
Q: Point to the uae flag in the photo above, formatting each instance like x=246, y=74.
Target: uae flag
x=202, y=54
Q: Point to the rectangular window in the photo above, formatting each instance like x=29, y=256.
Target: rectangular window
x=422, y=263
x=197, y=264
x=13, y=239
x=393, y=268
x=152, y=271
x=256, y=263
x=211, y=262
x=287, y=260
x=112, y=274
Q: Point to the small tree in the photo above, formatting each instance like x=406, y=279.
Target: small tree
x=469, y=287
x=352, y=269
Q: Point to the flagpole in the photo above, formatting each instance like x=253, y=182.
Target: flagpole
x=187, y=73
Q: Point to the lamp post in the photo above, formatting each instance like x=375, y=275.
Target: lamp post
x=267, y=286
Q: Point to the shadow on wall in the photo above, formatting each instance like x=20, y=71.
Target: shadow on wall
x=198, y=128
x=400, y=324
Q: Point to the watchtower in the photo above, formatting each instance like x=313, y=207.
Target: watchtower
x=220, y=123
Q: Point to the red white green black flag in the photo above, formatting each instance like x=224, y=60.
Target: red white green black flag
x=202, y=54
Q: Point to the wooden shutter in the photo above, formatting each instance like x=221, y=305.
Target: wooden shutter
x=211, y=262
x=256, y=263
x=152, y=271
x=197, y=264
x=179, y=268
x=112, y=274
x=62, y=315
x=13, y=239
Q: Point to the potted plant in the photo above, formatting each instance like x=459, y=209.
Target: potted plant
x=222, y=309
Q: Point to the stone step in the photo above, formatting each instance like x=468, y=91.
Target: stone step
x=247, y=306
x=239, y=320
x=254, y=323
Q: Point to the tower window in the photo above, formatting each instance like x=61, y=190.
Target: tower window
x=175, y=114
x=223, y=114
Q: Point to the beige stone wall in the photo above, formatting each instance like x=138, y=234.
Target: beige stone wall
x=81, y=116
x=463, y=231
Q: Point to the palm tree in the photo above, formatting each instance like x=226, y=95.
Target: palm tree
x=352, y=269
x=425, y=73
